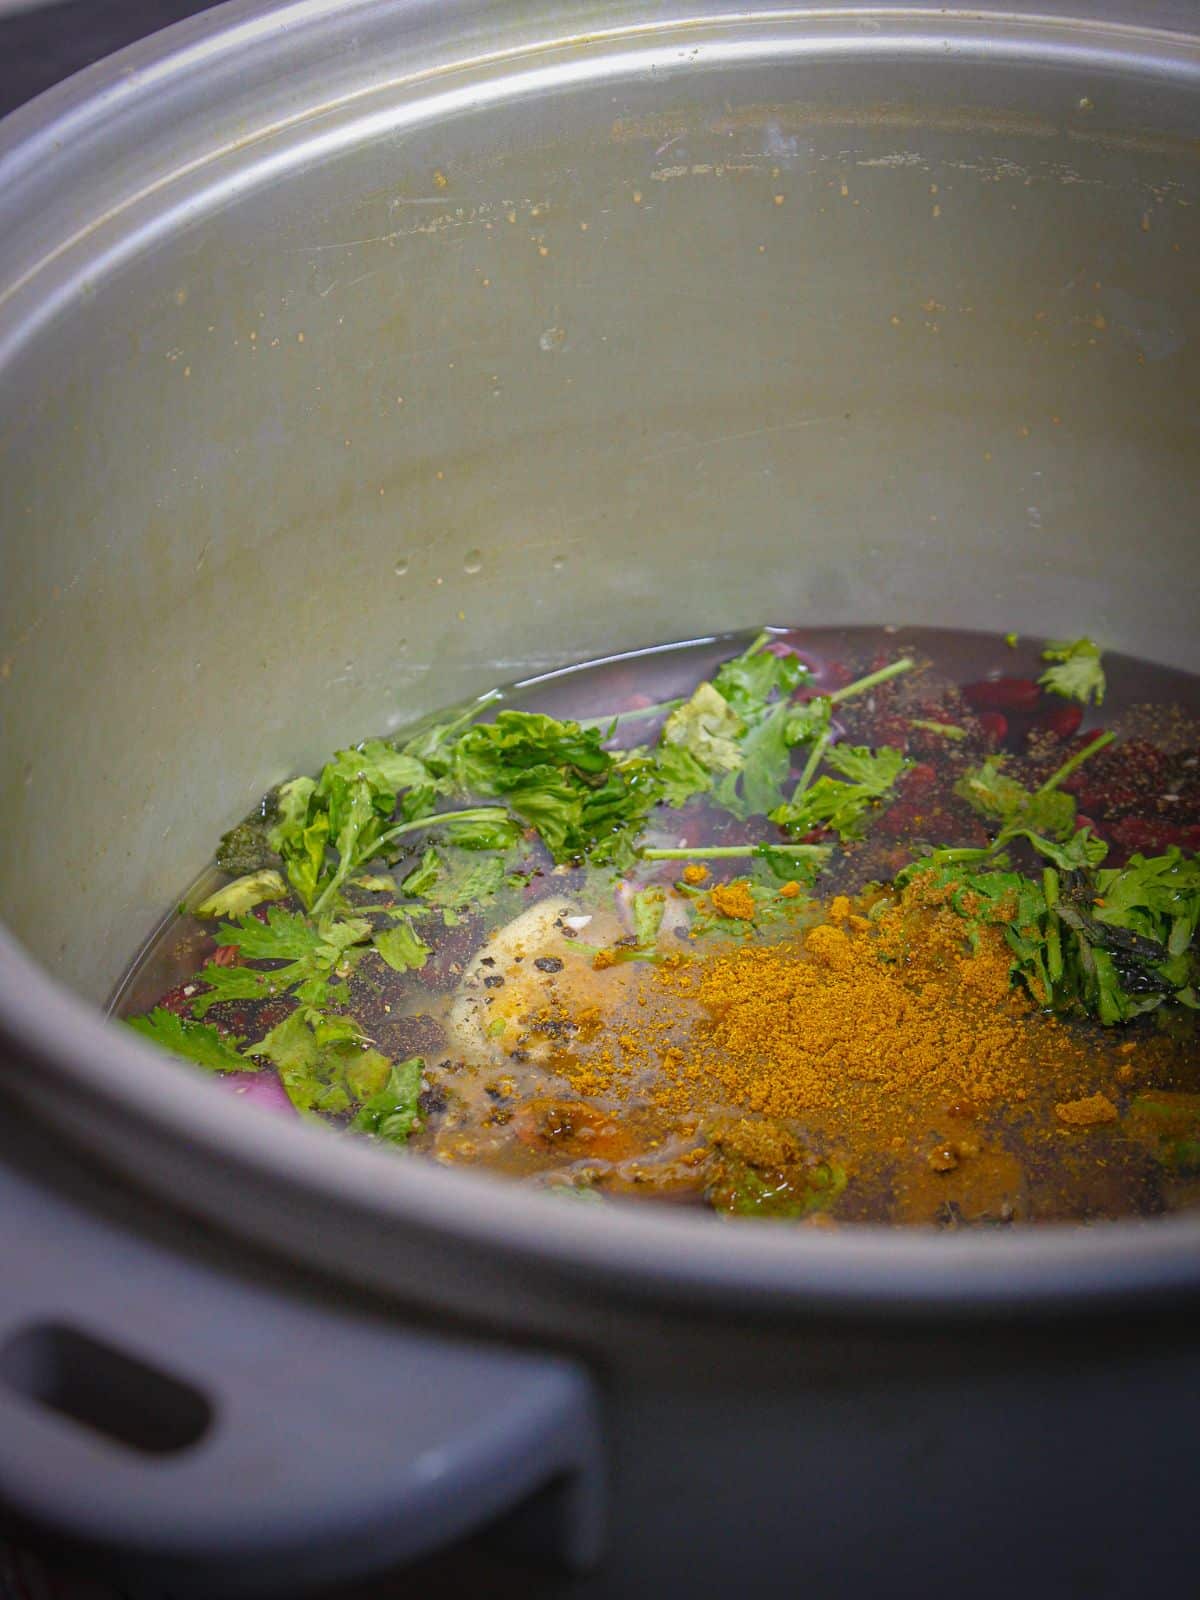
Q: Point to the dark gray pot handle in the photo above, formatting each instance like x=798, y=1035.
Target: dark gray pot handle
x=198, y=1432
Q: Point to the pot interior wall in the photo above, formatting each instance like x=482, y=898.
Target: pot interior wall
x=601, y=360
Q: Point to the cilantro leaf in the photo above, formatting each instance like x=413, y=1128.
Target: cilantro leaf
x=393, y=1113
x=313, y=953
x=989, y=790
x=401, y=947
x=798, y=863
x=232, y=983
x=358, y=816
x=809, y=723
x=490, y=758
x=348, y=808
x=843, y=807
x=706, y=728
x=558, y=777
x=422, y=877
x=198, y=1042
x=325, y=1068
x=300, y=837
x=470, y=883
x=750, y=680
x=1078, y=675
x=292, y=803
x=680, y=774
x=367, y=1073
x=756, y=786
x=1081, y=850
x=284, y=936
x=552, y=802
x=649, y=905
x=1157, y=897
x=292, y=1048
x=383, y=768
x=875, y=771
x=740, y=727
x=495, y=832
x=243, y=894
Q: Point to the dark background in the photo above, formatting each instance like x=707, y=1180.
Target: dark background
x=40, y=45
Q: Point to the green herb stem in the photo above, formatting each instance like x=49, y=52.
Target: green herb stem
x=873, y=679
x=815, y=756
x=1076, y=761
x=471, y=814
x=1054, y=954
x=465, y=718
x=727, y=852
x=944, y=730
x=638, y=714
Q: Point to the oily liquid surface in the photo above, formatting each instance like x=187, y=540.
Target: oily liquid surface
x=702, y=1078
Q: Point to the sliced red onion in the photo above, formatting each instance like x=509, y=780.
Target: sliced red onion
x=260, y=1088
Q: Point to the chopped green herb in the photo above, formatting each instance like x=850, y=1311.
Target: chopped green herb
x=648, y=907
x=993, y=794
x=313, y=953
x=243, y=894
x=401, y=947
x=246, y=848
x=753, y=679
x=1078, y=674
x=680, y=774
x=198, y=1042
x=1114, y=943
x=423, y=877
x=843, y=807
x=708, y=729
x=328, y=1067
x=393, y=1113
x=469, y=884
x=379, y=765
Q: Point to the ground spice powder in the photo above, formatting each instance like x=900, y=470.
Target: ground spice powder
x=860, y=1024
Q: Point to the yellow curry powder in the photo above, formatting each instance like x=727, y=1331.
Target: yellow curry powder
x=859, y=1023
x=733, y=900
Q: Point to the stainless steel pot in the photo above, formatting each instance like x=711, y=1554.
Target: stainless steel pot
x=356, y=356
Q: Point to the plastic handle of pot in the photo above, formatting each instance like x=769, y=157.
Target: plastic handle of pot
x=195, y=1431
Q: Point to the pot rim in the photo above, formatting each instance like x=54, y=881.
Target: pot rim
x=75, y=1070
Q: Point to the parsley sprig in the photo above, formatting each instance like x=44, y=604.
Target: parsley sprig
x=1113, y=942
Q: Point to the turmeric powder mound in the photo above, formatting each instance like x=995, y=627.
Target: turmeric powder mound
x=864, y=1028
x=733, y=900
x=860, y=1021
x=1090, y=1112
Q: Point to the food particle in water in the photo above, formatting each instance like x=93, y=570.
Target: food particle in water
x=1092, y=1111
x=733, y=900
